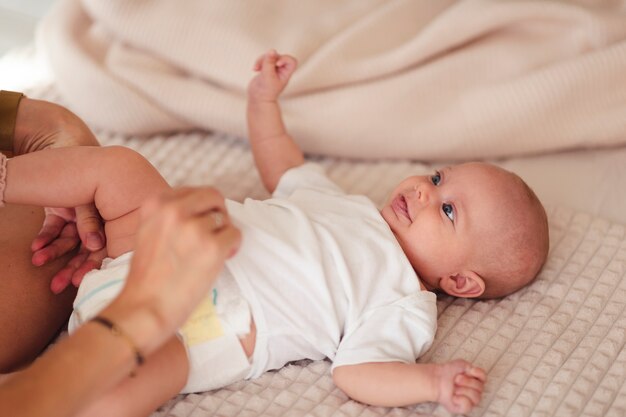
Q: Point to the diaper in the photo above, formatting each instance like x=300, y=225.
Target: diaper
x=216, y=358
x=210, y=335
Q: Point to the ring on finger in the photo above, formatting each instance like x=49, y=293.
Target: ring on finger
x=218, y=219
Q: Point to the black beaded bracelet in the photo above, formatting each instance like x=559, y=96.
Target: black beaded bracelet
x=114, y=328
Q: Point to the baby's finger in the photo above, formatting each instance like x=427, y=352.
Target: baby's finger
x=462, y=405
x=471, y=394
x=476, y=372
x=90, y=228
x=463, y=380
x=258, y=63
x=286, y=59
x=268, y=65
x=287, y=62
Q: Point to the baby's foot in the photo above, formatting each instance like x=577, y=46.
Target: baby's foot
x=460, y=386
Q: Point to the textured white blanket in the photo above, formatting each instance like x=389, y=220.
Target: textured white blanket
x=430, y=80
x=555, y=348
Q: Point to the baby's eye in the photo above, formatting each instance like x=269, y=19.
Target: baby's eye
x=448, y=211
x=436, y=179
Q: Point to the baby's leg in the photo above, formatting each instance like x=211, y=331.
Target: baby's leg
x=160, y=378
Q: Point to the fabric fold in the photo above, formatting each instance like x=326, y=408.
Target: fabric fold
x=449, y=80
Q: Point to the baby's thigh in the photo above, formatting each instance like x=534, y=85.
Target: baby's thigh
x=30, y=314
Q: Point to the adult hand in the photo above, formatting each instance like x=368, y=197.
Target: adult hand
x=182, y=244
x=39, y=125
x=63, y=229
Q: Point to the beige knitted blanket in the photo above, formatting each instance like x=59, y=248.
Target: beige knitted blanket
x=436, y=80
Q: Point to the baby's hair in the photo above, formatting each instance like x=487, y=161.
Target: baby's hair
x=514, y=260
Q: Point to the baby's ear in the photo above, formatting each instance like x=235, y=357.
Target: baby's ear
x=465, y=284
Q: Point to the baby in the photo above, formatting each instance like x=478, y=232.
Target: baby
x=319, y=273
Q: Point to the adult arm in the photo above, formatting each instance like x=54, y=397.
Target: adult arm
x=179, y=254
x=273, y=149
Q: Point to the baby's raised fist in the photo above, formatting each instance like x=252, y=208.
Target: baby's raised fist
x=274, y=71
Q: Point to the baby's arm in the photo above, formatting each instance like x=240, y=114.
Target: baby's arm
x=274, y=150
x=457, y=385
x=117, y=179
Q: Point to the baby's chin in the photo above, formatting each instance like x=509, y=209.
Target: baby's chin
x=385, y=212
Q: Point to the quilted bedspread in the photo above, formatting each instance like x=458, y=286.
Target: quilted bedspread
x=555, y=348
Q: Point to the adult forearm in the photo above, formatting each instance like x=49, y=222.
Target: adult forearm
x=69, y=376
x=274, y=150
x=388, y=384
x=84, y=366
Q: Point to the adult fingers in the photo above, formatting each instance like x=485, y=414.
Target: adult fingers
x=184, y=202
x=223, y=240
x=92, y=261
x=206, y=237
x=65, y=242
x=89, y=225
x=62, y=279
x=230, y=240
x=51, y=228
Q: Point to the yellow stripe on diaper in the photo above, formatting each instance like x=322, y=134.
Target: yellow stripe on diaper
x=203, y=325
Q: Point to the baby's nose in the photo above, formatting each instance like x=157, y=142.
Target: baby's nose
x=422, y=194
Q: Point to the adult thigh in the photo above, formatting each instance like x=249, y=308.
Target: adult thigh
x=30, y=314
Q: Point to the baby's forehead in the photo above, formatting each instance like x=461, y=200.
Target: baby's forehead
x=490, y=196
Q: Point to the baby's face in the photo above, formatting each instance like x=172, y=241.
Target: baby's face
x=439, y=219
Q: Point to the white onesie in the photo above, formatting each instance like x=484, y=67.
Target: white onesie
x=324, y=276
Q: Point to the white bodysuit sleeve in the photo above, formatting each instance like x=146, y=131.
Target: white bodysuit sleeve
x=310, y=176
x=400, y=332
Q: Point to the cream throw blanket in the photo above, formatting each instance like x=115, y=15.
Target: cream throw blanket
x=438, y=80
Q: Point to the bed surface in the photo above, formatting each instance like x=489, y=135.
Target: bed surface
x=555, y=348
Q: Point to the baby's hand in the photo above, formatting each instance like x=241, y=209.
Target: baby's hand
x=460, y=386
x=274, y=71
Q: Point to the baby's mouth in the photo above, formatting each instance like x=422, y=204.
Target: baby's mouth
x=400, y=207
